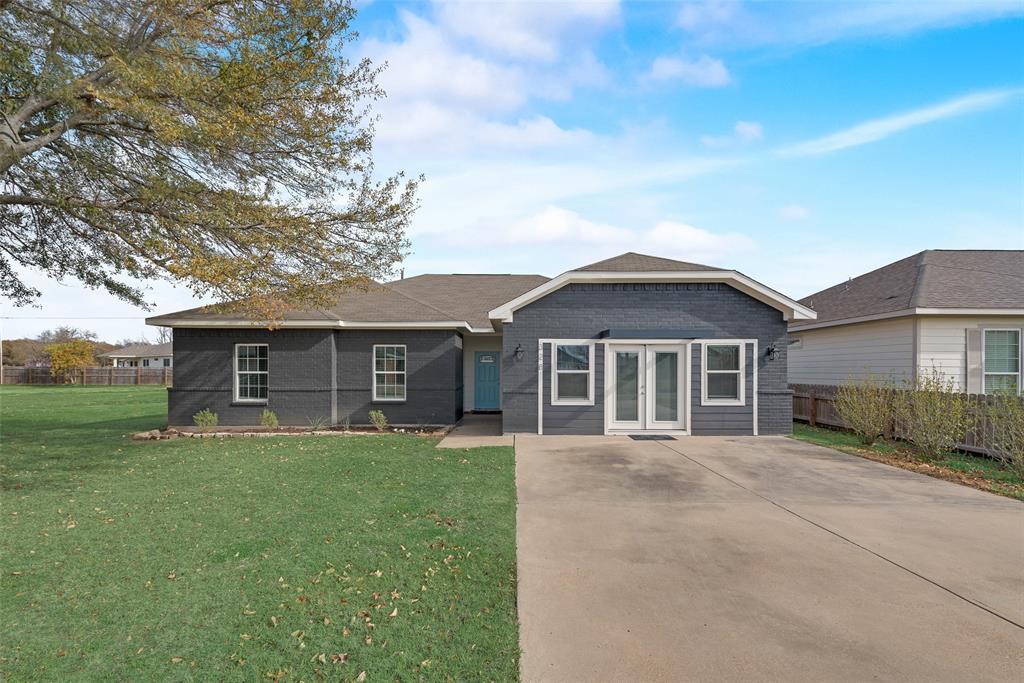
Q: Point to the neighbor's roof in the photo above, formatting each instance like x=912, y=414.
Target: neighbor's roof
x=139, y=351
x=932, y=279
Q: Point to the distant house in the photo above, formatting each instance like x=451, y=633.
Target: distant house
x=139, y=356
x=961, y=312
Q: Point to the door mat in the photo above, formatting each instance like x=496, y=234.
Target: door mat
x=652, y=437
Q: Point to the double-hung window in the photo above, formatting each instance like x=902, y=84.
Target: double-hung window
x=252, y=372
x=723, y=374
x=1001, y=359
x=389, y=372
x=572, y=379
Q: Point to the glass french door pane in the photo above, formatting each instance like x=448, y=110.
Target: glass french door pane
x=627, y=377
x=666, y=386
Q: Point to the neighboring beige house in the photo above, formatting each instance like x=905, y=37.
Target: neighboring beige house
x=140, y=356
x=959, y=311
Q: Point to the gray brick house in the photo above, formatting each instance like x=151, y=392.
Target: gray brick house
x=630, y=344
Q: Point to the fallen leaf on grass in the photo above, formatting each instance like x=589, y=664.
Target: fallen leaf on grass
x=340, y=658
x=177, y=660
x=394, y=613
x=361, y=677
x=273, y=621
x=172, y=576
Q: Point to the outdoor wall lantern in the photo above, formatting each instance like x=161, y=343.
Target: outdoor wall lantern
x=771, y=352
x=519, y=352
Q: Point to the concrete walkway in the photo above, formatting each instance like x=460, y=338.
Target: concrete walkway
x=477, y=429
x=759, y=559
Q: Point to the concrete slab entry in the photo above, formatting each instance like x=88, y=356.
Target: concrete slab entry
x=688, y=560
x=475, y=430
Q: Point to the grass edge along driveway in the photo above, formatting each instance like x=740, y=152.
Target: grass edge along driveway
x=239, y=559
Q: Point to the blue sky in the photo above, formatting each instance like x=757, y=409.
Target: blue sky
x=802, y=143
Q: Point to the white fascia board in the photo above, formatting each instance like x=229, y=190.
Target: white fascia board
x=321, y=324
x=906, y=312
x=792, y=309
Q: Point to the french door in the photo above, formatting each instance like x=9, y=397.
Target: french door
x=647, y=387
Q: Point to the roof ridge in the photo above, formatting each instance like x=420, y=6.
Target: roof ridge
x=451, y=316
x=922, y=269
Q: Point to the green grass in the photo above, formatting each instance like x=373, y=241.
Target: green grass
x=120, y=557
x=989, y=471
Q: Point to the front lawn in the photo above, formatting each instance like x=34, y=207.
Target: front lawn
x=972, y=470
x=285, y=558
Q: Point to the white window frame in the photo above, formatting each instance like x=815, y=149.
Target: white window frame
x=555, y=372
x=404, y=373
x=167, y=362
x=145, y=362
x=1020, y=360
x=704, y=372
x=235, y=372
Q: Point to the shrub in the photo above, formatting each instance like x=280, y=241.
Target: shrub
x=379, y=420
x=866, y=407
x=933, y=415
x=268, y=418
x=317, y=423
x=68, y=358
x=205, y=419
x=1006, y=422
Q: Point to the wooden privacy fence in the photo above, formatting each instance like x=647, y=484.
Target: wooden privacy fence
x=815, y=404
x=90, y=376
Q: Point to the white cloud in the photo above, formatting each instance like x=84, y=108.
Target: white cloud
x=879, y=129
x=794, y=212
x=426, y=65
x=704, y=72
x=744, y=132
x=526, y=30
x=554, y=225
x=746, y=25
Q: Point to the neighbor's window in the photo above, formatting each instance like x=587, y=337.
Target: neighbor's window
x=572, y=373
x=723, y=373
x=251, y=372
x=167, y=362
x=1002, y=361
x=145, y=362
x=389, y=372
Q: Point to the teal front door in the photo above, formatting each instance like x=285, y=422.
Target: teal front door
x=487, y=380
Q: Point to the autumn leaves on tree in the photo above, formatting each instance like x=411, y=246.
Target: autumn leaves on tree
x=222, y=144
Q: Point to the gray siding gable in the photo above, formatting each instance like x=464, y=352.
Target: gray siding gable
x=585, y=310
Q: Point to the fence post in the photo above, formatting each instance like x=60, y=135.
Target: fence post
x=813, y=418
x=138, y=376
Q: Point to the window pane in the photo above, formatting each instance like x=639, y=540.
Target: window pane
x=722, y=357
x=1002, y=351
x=573, y=385
x=666, y=387
x=724, y=385
x=1000, y=383
x=575, y=357
x=626, y=374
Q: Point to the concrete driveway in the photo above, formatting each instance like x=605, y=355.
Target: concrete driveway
x=759, y=559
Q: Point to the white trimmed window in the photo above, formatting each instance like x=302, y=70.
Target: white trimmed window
x=389, y=372
x=252, y=372
x=723, y=374
x=1001, y=361
x=167, y=362
x=573, y=377
x=145, y=362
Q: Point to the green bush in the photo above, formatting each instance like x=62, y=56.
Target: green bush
x=1006, y=439
x=933, y=415
x=866, y=407
x=205, y=419
x=379, y=420
x=268, y=418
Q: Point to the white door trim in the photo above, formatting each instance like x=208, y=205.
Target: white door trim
x=646, y=349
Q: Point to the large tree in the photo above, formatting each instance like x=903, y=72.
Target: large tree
x=225, y=144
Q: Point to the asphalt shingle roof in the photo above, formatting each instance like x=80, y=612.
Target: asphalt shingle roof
x=436, y=298
x=141, y=350
x=930, y=279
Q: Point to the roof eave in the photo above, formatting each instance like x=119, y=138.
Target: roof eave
x=904, y=312
x=161, y=321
